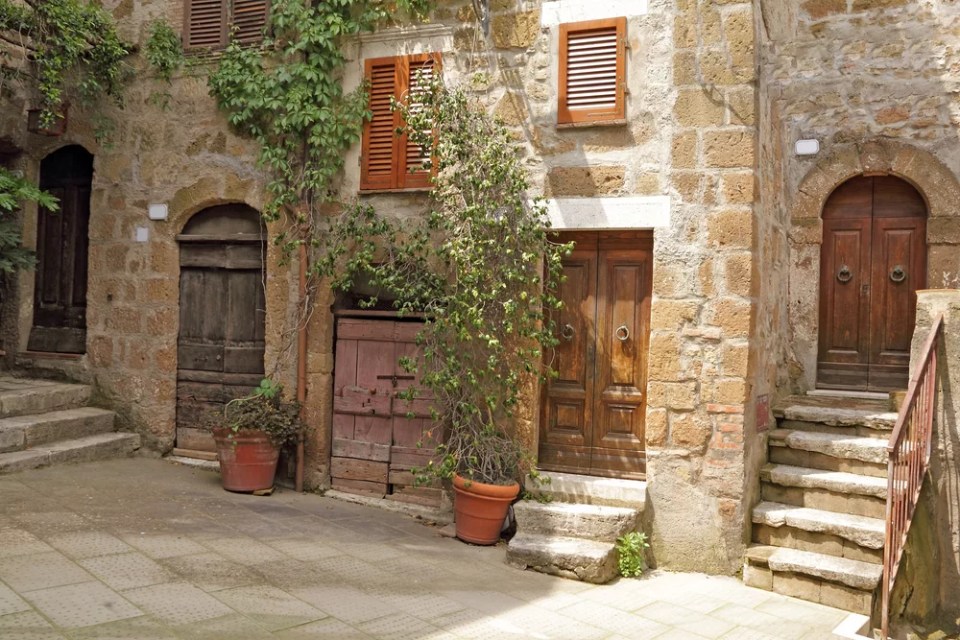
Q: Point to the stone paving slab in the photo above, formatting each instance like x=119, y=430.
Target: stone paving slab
x=87, y=553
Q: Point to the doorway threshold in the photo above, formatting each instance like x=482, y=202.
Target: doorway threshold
x=843, y=393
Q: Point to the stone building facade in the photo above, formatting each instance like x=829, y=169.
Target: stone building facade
x=718, y=92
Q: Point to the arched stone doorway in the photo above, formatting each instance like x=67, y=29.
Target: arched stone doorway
x=60, y=290
x=873, y=260
x=220, y=346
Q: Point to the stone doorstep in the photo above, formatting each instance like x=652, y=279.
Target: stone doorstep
x=838, y=446
x=866, y=532
x=864, y=576
x=594, y=562
x=42, y=398
x=836, y=481
x=838, y=416
x=20, y=432
x=94, y=447
x=587, y=521
x=575, y=488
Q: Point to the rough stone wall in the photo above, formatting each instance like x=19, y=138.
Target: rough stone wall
x=874, y=83
x=183, y=155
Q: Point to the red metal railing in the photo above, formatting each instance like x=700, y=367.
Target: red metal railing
x=909, y=459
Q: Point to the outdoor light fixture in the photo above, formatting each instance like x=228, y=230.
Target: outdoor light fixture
x=157, y=211
x=809, y=147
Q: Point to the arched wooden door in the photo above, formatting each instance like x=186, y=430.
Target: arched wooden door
x=60, y=292
x=222, y=312
x=873, y=260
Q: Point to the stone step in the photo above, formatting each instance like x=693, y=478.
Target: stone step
x=579, y=489
x=564, y=519
x=835, y=534
x=873, y=416
x=29, y=397
x=828, y=490
x=837, y=582
x=861, y=431
x=869, y=450
x=93, y=447
x=27, y=431
x=585, y=560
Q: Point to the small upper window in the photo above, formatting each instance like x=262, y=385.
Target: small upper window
x=388, y=160
x=593, y=71
x=211, y=24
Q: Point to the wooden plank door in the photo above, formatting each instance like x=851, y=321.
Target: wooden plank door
x=592, y=416
x=60, y=291
x=221, y=341
x=873, y=261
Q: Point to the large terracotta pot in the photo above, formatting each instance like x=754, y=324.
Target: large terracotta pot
x=248, y=460
x=480, y=509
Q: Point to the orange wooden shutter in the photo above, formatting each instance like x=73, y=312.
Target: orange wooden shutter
x=206, y=24
x=592, y=83
x=249, y=18
x=418, y=72
x=380, y=147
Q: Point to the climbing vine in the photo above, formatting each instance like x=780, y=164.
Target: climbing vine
x=164, y=50
x=61, y=47
x=14, y=191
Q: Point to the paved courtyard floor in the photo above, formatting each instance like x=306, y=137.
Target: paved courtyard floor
x=143, y=548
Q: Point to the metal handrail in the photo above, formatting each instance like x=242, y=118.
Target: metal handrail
x=909, y=459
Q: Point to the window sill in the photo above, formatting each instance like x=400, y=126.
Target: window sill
x=588, y=125
x=413, y=190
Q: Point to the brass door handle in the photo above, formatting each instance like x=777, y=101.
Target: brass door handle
x=898, y=274
x=844, y=275
x=622, y=333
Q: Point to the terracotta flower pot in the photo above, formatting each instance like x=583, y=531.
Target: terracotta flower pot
x=248, y=460
x=480, y=509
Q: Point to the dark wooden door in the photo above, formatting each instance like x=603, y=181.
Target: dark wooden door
x=60, y=291
x=379, y=437
x=592, y=415
x=222, y=312
x=873, y=260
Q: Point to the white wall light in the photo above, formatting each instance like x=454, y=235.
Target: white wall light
x=808, y=147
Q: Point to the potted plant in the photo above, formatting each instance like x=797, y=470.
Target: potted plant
x=255, y=428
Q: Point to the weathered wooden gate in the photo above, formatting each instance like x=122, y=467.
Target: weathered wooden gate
x=60, y=293
x=378, y=437
x=222, y=312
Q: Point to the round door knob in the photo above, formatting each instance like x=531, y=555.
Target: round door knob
x=897, y=274
x=567, y=332
x=844, y=275
x=622, y=333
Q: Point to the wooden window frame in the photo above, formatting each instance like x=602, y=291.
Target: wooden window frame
x=618, y=113
x=401, y=178
x=226, y=26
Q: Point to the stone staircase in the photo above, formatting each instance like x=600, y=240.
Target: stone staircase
x=818, y=532
x=44, y=423
x=574, y=533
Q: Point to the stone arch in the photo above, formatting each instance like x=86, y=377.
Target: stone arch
x=211, y=191
x=935, y=182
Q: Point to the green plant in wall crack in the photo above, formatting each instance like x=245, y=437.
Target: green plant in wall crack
x=631, y=554
x=164, y=53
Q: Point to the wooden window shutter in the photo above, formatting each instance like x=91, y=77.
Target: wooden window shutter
x=388, y=160
x=418, y=72
x=206, y=24
x=380, y=148
x=249, y=19
x=592, y=84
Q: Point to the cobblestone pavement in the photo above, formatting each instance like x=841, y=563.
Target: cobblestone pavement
x=142, y=548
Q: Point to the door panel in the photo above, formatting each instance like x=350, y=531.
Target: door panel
x=873, y=260
x=592, y=420
x=222, y=318
x=60, y=291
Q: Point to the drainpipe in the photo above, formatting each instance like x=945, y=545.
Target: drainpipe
x=301, y=366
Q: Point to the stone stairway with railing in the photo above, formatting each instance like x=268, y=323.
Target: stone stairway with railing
x=44, y=423
x=818, y=532
x=572, y=531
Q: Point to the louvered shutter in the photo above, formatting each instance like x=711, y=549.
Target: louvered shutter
x=379, y=155
x=592, y=86
x=418, y=73
x=206, y=24
x=249, y=18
